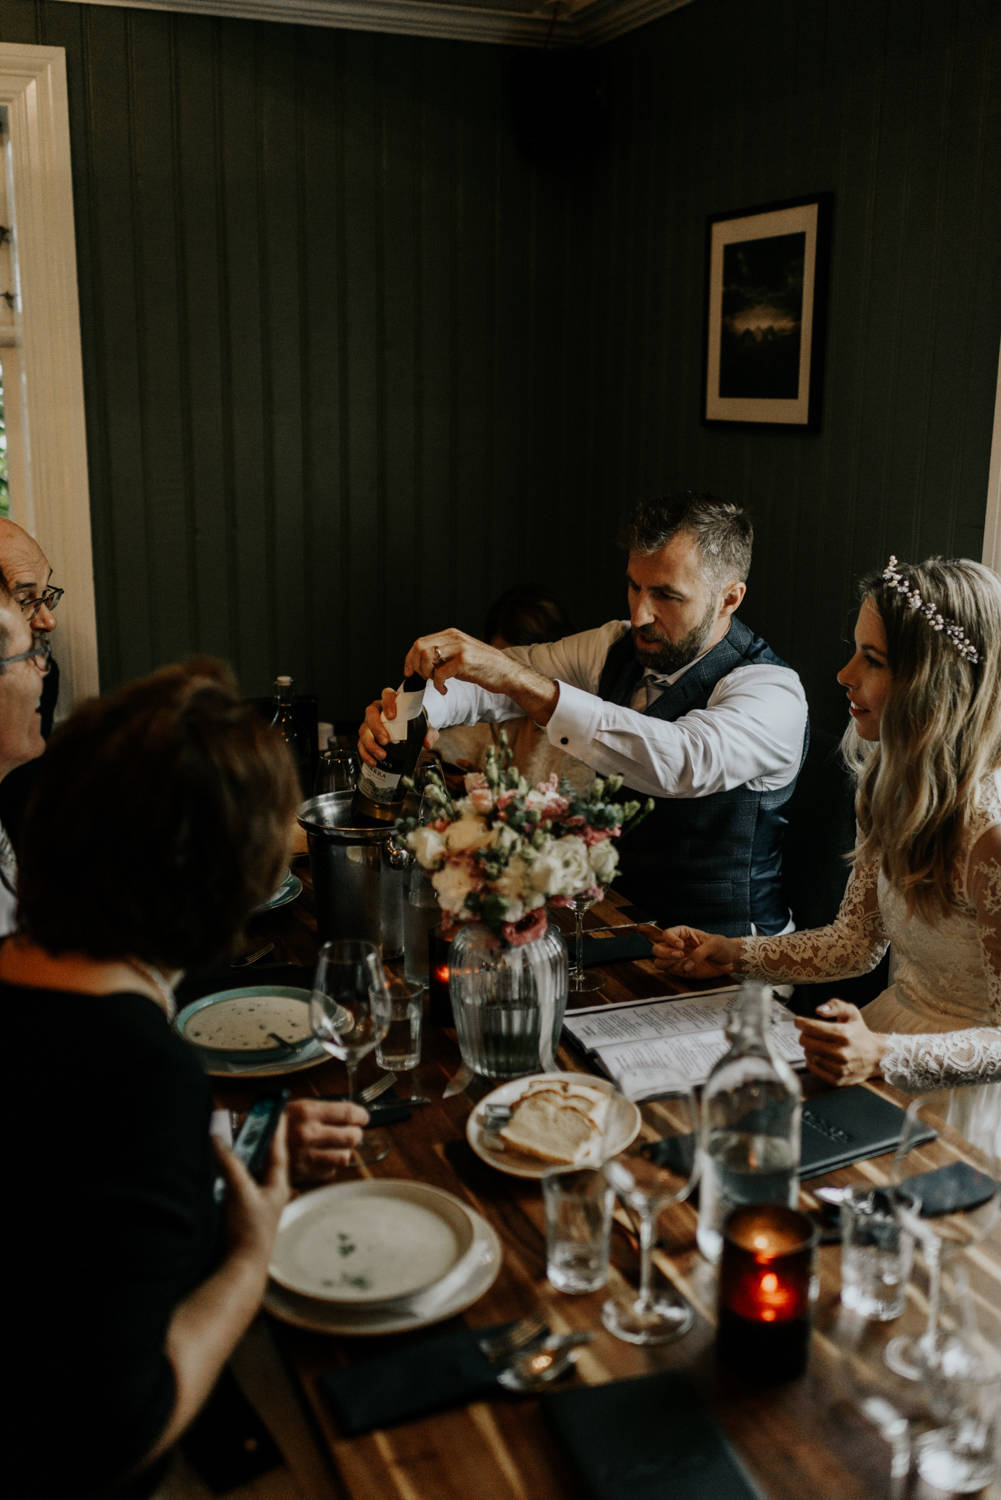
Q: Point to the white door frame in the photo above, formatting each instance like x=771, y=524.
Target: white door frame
x=992, y=526
x=47, y=440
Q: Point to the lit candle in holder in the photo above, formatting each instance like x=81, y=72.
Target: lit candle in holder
x=764, y=1291
x=439, y=1003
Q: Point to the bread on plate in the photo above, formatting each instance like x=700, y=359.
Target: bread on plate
x=561, y=1123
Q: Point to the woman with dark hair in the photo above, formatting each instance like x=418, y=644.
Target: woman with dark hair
x=159, y=821
x=924, y=742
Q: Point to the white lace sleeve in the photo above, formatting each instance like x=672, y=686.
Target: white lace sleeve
x=948, y=1060
x=983, y=887
x=853, y=944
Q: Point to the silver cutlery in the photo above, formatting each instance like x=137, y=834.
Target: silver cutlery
x=620, y=927
x=544, y=1363
x=251, y=958
x=460, y=1082
x=500, y=1347
x=289, y=1046
x=378, y=1087
x=493, y=1120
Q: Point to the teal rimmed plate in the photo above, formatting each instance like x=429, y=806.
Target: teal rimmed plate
x=262, y=1062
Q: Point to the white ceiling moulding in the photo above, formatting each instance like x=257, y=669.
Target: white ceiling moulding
x=41, y=350
x=511, y=22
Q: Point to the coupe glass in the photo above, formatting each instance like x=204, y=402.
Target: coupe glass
x=658, y=1169
x=350, y=1013
x=943, y=1236
x=581, y=982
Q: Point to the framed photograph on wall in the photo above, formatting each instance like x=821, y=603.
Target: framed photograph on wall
x=766, y=313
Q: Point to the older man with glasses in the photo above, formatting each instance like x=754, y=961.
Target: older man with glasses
x=25, y=659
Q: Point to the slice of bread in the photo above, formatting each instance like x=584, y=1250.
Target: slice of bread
x=558, y=1123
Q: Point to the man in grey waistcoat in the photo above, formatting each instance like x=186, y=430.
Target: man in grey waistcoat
x=682, y=700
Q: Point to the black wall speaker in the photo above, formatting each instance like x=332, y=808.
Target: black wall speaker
x=559, y=105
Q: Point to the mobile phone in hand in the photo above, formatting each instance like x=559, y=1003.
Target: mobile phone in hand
x=253, y=1143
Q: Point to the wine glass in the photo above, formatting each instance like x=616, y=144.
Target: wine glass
x=659, y=1168
x=580, y=981
x=922, y=1194
x=350, y=1013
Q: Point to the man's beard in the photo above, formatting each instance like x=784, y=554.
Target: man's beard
x=671, y=656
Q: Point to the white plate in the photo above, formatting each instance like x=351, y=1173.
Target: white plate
x=483, y=1267
x=623, y=1128
x=375, y=1241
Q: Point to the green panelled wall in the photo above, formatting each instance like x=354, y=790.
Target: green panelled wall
x=352, y=366
x=895, y=106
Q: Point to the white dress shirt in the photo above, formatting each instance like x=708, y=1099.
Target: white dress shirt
x=750, y=732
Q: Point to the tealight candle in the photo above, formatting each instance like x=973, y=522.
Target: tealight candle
x=765, y=1278
x=439, y=1004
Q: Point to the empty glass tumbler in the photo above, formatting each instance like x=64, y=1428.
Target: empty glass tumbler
x=578, y=1226
x=876, y=1255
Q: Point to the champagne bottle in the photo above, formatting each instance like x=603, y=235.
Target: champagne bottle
x=291, y=732
x=750, y=1122
x=380, y=794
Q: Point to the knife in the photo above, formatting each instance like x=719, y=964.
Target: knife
x=461, y=1081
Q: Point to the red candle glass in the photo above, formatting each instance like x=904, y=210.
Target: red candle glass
x=439, y=1003
x=764, y=1292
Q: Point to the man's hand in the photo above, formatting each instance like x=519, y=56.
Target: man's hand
x=695, y=955
x=372, y=735
x=322, y=1133
x=452, y=653
x=841, y=1051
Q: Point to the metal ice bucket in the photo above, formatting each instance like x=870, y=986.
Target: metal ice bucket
x=359, y=876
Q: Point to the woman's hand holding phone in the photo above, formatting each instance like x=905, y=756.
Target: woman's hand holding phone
x=253, y=1209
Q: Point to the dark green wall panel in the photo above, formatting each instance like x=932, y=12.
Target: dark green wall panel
x=893, y=105
x=352, y=366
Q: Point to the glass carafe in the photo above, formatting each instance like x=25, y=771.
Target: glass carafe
x=751, y=1109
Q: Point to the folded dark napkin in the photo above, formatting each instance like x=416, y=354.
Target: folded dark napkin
x=647, y=1439
x=386, y=1110
x=613, y=950
x=447, y=1369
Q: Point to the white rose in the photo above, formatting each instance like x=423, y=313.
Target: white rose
x=469, y=833
x=428, y=845
x=453, y=884
x=506, y=838
x=604, y=860
x=511, y=884
x=563, y=869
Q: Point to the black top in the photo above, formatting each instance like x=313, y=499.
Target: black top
x=112, y=1223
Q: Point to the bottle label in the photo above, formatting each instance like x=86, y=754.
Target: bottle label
x=379, y=785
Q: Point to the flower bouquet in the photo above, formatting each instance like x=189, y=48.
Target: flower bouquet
x=505, y=850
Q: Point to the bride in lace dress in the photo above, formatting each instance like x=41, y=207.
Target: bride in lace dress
x=924, y=691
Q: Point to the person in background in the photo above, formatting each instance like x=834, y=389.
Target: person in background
x=24, y=663
x=159, y=822
x=924, y=742
x=26, y=577
x=525, y=615
x=682, y=700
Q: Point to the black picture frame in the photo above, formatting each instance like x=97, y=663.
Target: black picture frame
x=765, y=319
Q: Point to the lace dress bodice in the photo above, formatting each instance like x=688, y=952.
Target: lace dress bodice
x=948, y=974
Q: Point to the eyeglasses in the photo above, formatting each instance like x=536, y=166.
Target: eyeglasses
x=43, y=650
x=47, y=599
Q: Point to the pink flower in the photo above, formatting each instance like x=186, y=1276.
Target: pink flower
x=592, y=836
x=528, y=929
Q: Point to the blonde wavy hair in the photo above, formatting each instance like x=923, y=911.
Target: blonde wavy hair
x=940, y=731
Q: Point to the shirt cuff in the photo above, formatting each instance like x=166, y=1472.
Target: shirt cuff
x=575, y=721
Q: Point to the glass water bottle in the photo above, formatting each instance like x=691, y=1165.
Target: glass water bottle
x=291, y=732
x=751, y=1108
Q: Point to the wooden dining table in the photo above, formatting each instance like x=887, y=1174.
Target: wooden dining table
x=803, y=1440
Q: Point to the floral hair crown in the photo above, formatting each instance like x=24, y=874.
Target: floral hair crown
x=954, y=633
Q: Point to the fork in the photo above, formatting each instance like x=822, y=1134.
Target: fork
x=500, y=1347
x=378, y=1087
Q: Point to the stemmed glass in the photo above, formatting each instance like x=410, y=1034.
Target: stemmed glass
x=659, y=1168
x=941, y=1236
x=350, y=1013
x=580, y=982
